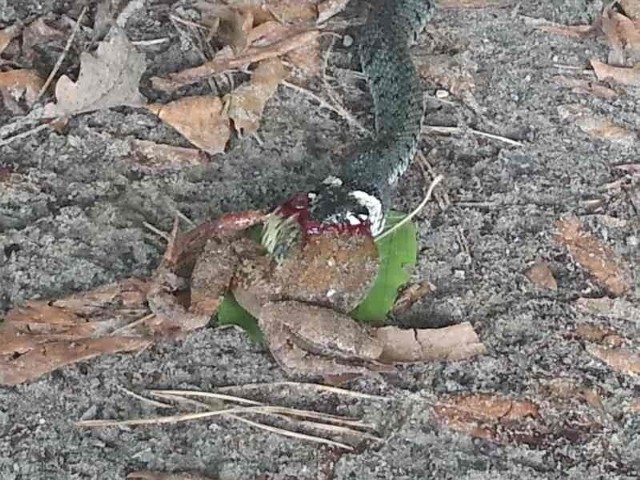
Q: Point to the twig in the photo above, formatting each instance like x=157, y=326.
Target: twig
x=27, y=133
x=62, y=56
x=157, y=231
x=420, y=206
x=287, y=433
x=195, y=393
x=132, y=324
x=154, y=403
x=315, y=386
x=458, y=131
x=150, y=43
x=334, y=108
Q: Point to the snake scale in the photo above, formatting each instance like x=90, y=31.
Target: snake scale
x=359, y=194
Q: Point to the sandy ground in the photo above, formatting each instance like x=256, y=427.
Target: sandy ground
x=76, y=223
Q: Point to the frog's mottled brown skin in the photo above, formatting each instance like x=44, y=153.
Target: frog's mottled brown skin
x=301, y=303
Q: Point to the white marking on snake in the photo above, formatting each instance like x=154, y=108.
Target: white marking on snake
x=333, y=181
x=373, y=206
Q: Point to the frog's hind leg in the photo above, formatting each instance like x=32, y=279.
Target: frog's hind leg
x=308, y=340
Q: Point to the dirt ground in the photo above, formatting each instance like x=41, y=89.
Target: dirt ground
x=77, y=222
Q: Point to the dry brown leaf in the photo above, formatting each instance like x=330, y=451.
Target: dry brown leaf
x=158, y=156
x=619, y=359
x=16, y=85
x=622, y=75
x=595, y=126
x=634, y=406
x=201, y=120
x=232, y=26
x=490, y=417
x=307, y=59
x=579, y=85
x=599, y=334
x=291, y=11
x=329, y=8
x=38, y=33
x=566, y=390
x=456, y=342
x=610, y=307
x=50, y=356
x=542, y=276
x=8, y=34
x=246, y=103
x=41, y=336
x=93, y=313
x=226, y=60
x=631, y=8
x=622, y=36
x=108, y=78
x=598, y=259
x=267, y=33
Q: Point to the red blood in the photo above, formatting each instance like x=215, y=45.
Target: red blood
x=298, y=206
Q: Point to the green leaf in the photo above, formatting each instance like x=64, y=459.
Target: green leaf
x=398, y=256
x=231, y=313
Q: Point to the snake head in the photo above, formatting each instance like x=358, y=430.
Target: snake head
x=339, y=206
x=333, y=207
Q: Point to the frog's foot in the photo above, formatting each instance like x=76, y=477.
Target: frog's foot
x=307, y=340
x=211, y=276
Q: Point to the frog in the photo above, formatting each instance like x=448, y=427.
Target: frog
x=301, y=298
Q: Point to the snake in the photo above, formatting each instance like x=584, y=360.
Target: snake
x=357, y=196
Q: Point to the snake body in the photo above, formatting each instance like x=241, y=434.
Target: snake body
x=358, y=197
x=363, y=186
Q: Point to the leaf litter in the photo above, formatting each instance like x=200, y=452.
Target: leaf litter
x=94, y=90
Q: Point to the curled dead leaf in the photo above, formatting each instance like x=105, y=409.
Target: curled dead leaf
x=456, y=342
x=201, y=119
x=598, y=259
x=246, y=103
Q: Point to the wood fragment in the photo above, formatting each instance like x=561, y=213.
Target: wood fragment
x=591, y=254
